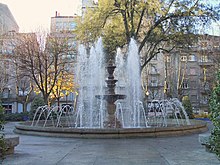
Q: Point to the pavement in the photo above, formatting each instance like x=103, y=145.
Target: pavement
x=38, y=150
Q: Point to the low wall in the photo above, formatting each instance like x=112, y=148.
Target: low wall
x=11, y=142
x=195, y=127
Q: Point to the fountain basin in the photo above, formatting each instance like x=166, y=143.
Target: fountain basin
x=172, y=130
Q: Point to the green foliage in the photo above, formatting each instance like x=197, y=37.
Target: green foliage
x=2, y=140
x=2, y=118
x=152, y=23
x=188, y=106
x=37, y=102
x=215, y=117
x=201, y=115
x=23, y=116
x=3, y=147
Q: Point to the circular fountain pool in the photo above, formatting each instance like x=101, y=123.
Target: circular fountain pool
x=161, y=120
x=109, y=112
x=172, y=130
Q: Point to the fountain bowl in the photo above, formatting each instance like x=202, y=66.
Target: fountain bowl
x=111, y=97
x=196, y=126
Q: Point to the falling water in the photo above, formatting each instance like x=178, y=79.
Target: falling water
x=133, y=83
x=91, y=112
x=120, y=71
x=91, y=81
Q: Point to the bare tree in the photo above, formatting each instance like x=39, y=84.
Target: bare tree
x=24, y=88
x=3, y=76
x=42, y=57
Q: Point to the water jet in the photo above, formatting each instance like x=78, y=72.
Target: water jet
x=111, y=111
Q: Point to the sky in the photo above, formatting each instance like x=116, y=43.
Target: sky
x=31, y=15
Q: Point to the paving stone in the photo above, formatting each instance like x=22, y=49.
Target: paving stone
x=180, y=150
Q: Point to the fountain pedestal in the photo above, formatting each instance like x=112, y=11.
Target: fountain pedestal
x=112, y=121
x=111, y=98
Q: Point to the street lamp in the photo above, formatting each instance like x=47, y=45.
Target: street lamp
x=147, y=94
x=8, y=98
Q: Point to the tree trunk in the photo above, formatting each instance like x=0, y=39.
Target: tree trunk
x=24, y=107
x=58, y=101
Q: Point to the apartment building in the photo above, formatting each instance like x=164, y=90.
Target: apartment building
x=62, y=27
x=189, y=72
x=15, y=89
x=7, y=20
x=153, y=77
x=8, y=32
x=88, y=4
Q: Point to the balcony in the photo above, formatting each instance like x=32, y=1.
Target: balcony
x=155, y=85
x=206, y=63
x=154, y=73
x=7, y=97
x=204, y=103
x=208, y=78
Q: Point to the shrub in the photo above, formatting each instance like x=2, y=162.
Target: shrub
x=37, y=102
x=2, y=139
x=3, y=147
x=2, y=118
x=201, y=115
x=23, y=116
x=214, y=105
x=188, y=106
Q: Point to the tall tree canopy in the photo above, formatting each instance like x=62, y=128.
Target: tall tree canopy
x=154, y=24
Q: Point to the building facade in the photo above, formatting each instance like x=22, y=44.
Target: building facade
x=61, y=24
x=88, y=4
x=7, y=21
x=62, y=27
x=14, y=85
x=8, y=32
x=189, y=72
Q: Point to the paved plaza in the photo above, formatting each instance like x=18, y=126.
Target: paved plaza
x=36, y=150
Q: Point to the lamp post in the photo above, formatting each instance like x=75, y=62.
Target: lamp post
x=8, y=98
x=66, y=97
x=147, y=94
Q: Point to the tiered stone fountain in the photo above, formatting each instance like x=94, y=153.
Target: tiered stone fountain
x=111, y=97
x=92, y=118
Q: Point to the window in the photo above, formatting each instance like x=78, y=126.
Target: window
x=216, y=45
x=6, y=78
x=183, y=58
x=168, y=59
x=185, y=85
x=192, y=58
x=153, y=69
x=193, y=84
x=8, y=108
x=193, y=98
x=154, y=81
x=72, y=25
x=204, y=58
x=192, y=71
x=6, y=64
x=204, y=99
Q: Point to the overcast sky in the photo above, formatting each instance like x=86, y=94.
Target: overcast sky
x=31, y=15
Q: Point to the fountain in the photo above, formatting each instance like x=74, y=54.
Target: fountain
x=114, y=111
x=111, y=98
